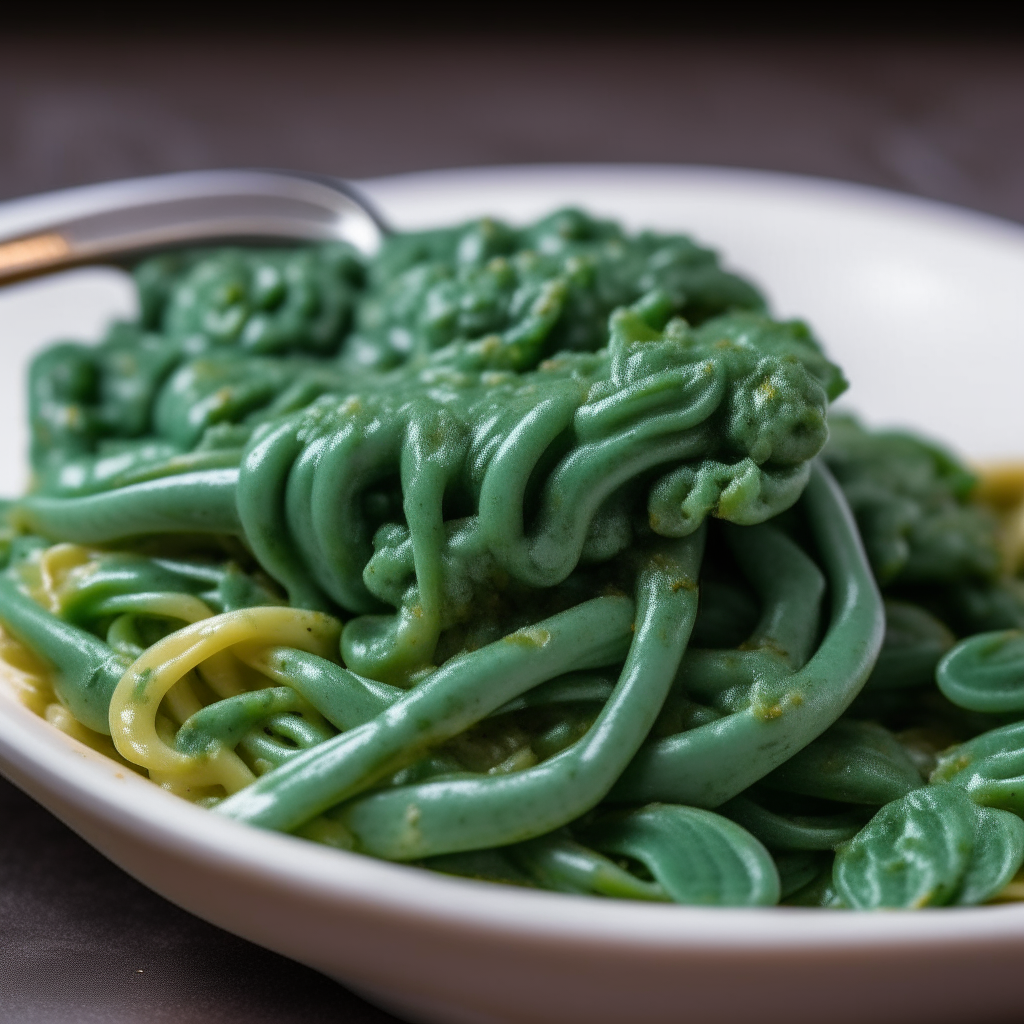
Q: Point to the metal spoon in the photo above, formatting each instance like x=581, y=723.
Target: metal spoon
x=94, y=223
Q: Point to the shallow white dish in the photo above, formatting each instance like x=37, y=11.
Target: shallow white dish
x=897, y=288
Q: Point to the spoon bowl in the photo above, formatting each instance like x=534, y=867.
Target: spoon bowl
x=108, y=222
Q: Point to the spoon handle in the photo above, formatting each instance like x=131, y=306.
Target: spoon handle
x=48, y=232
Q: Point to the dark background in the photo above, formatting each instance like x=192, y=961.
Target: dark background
x=940, y=116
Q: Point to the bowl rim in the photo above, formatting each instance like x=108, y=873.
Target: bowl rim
x=32, y=750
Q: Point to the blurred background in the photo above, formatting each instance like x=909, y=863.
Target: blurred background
x=939, y=115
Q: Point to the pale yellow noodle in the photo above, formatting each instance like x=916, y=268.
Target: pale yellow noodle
x=1001, y=488
x=167, y=605
x=221, y=671
x=25, y=675
x=138, y=697
x=1014, y=891
x=56, y=563
x=59, y=716
x=29, y=680
x=181, y=701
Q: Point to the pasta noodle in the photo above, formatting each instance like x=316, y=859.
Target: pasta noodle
x=518, y=554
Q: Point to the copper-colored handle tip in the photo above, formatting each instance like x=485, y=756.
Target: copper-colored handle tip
x=25, y=254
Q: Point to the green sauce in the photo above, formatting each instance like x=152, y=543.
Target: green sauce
x=513, y=553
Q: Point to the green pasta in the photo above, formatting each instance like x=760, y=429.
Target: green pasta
x=526, y=554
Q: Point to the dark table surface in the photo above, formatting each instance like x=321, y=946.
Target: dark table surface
x=81, y=941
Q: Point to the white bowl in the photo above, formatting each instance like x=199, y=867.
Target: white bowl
x=919, y=303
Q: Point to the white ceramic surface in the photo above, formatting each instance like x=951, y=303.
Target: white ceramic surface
x=885, y=280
